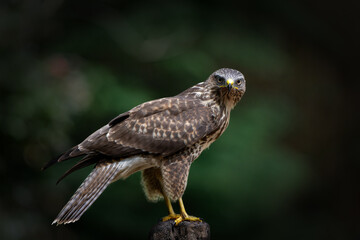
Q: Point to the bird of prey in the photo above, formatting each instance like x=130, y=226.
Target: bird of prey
x=160, y=138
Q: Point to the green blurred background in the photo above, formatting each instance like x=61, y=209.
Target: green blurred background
x=286, y=168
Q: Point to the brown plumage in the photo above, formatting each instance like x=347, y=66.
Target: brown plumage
x=161, y=138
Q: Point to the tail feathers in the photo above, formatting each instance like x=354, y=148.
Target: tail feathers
x=71, y=153
x=88, y=192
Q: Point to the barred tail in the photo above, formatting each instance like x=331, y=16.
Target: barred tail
x=88, y=192
x=102, y=175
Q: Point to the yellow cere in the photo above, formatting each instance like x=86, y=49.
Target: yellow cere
x=230, y=81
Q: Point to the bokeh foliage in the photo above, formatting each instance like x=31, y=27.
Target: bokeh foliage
x=282, y=169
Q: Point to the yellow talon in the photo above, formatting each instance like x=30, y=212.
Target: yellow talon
x=178, y=217
x=171, y=216
x=184, y=216
x=188, y=218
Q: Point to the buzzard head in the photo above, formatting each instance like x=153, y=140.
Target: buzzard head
x=229, y=84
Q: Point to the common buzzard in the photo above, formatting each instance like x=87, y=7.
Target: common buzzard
x=160, y=138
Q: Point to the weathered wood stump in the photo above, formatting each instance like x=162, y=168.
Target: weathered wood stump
x=184, y=231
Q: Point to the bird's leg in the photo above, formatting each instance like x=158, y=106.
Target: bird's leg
x=172, y=214
x=183, y=215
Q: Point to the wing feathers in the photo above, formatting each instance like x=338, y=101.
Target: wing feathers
x=88, y=192
x=119, y=119
x=86, y=161
x=71, y=153
x=163, y=126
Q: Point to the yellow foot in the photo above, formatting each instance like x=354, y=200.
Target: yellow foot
x=171, y=216
x=186, y=218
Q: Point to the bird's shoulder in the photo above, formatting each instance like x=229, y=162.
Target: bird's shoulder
x=170, y=105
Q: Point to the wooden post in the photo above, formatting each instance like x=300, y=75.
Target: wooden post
x=185, y=230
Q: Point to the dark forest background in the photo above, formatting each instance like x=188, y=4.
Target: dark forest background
x=286, y=168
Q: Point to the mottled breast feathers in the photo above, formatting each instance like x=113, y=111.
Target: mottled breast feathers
x=162, y=126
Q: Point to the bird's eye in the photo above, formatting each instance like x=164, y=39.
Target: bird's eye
x=219, y=79
x=238, y=81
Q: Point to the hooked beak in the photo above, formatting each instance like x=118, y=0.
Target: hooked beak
x=230, y=83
